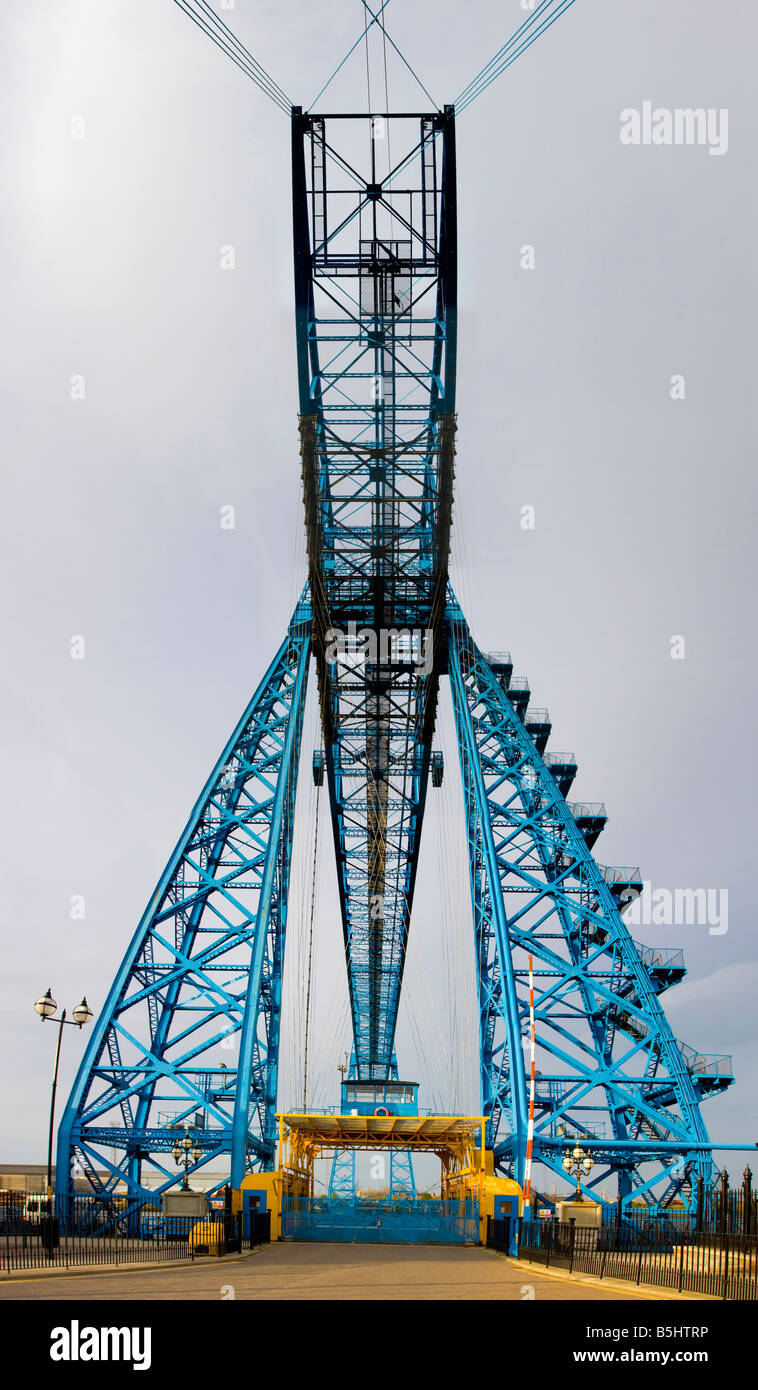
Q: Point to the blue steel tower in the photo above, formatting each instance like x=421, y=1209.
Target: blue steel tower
x=375, y=245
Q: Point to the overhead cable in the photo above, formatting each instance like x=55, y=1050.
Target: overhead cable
x=537, y=23
x=201, y=14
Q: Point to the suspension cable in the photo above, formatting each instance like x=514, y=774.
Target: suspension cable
x=310, y=956
x=519, y=41
x=518, y=33
x=368, y=72
x=400, y=55
x=201, y=14
x=350, y=51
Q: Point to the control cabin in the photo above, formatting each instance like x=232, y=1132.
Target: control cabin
x=379, y=1097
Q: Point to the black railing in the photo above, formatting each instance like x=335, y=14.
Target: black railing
x=499, y=1234
x=31, y=1239
x=260, y=1228
x=232, y=1241
x=41, y=1245
x=659, y=1251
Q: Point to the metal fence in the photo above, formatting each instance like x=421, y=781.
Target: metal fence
x=726, y=1208
x=40, y=1245
x=38, y=1241
x=260, y=1229
x=716, y=1206
x=667, y=1253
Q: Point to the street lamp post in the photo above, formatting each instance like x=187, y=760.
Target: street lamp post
x=82, y=1014
x=577, y=1161
x=185, y=1151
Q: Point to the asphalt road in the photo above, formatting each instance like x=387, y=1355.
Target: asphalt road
x=321, y=1271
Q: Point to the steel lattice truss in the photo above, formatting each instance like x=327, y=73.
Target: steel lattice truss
x=204, y=969
x=611, y=1070
x=375, y=249
x=375, y=290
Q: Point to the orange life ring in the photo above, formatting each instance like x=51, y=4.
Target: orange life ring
x=381, y=1110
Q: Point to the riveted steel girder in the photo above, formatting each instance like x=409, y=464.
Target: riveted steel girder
x=189, y=1034
x=610, y=1070
x=374, y=221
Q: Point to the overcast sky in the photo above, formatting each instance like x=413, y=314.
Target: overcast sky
x=644, y=269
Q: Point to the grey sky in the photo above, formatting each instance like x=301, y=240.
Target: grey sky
x=645, y=267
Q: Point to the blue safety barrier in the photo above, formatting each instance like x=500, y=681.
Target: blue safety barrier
x=399, y=1223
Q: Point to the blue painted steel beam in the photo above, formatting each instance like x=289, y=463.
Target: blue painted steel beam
x=375, y=266
x=189, y=1033
x=375, y=296
x=611, y=1071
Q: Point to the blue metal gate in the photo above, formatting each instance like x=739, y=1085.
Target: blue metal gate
x=394, y=1223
